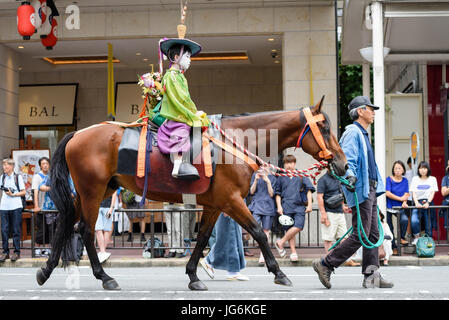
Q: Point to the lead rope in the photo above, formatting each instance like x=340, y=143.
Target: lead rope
x=320, y=166
x=370, y=245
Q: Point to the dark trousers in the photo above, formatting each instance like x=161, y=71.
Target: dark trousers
x=390, y=225
x=368, y=214
x=11, y=219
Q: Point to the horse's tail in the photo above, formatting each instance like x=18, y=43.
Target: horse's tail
x=61, y=195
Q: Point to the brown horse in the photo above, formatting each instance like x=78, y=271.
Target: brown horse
x=90, y=157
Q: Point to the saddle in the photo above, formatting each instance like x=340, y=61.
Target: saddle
x=159, y=178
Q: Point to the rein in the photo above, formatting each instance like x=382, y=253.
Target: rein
x=360, y=230
x=320, y=166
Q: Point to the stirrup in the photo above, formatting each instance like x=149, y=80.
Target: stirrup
x=187, y=172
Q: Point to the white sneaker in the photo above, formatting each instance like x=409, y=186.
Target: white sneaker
x=103, y=256
x=106, y=255
x=37, y=252
x=208, y=268
x=237, y=276
x=414, y=241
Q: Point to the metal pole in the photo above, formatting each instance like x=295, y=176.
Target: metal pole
x=379, y=92
x=152, y=234
x=398, y=238
x=33, y=236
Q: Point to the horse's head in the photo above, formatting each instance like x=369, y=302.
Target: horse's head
x=318, y=140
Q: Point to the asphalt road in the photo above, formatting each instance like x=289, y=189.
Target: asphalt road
x=170, y=283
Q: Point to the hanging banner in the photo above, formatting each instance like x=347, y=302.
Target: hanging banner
x=47, y=104
x=129, y=101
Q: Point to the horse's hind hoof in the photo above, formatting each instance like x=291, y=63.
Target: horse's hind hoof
x=111, y=285
x=41, y=277
x=197, y=286
x=284, y=281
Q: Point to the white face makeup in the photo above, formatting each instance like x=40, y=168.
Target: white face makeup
x=184, y=62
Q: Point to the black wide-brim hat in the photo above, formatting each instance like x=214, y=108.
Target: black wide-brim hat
x=194, y=47
x=361, y=101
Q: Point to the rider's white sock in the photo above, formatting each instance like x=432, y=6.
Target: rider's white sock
x=176, y=164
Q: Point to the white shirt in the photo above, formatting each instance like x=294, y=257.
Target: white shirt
x=7, y=202
x=36, y=182
x=424, y=187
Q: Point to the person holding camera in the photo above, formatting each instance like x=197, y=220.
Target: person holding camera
x=332, y=209
x=11, y=207
x=263, y=205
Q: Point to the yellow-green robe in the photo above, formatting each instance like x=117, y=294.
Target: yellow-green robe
x=177, y=104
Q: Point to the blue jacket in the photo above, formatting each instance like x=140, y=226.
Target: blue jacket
x=353, y=144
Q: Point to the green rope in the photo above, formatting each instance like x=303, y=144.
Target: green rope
x=360, y=229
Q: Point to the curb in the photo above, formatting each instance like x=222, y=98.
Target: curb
x=182, y=262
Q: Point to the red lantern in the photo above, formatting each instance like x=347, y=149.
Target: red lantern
x=26, y=20
x=50, y=41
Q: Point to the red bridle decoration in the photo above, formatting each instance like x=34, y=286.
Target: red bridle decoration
x=26, y=20
x=311, y=122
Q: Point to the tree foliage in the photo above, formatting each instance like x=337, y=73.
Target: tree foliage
x=351, y=86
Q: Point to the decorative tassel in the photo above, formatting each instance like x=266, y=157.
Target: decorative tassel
x=149, y=148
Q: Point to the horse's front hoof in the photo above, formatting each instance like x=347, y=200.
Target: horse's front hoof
x=41, y=277
x=197, y=286
x=111, y=285
x=283, y=280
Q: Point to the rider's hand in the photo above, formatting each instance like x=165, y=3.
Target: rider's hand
x=351, y=180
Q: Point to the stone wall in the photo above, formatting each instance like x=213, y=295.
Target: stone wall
x=227, y=89
x=9, y=101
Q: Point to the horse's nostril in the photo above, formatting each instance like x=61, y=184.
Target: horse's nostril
x=346, y=167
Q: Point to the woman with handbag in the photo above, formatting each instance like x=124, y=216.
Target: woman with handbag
x=396, y=191
x=423, y=190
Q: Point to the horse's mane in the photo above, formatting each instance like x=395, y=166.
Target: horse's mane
x=246, y=114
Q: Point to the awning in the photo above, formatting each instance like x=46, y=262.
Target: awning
x=415, y=31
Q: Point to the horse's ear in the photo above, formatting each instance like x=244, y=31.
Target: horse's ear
x=317, y=107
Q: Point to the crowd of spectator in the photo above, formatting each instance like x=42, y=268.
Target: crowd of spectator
x=270, y=198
